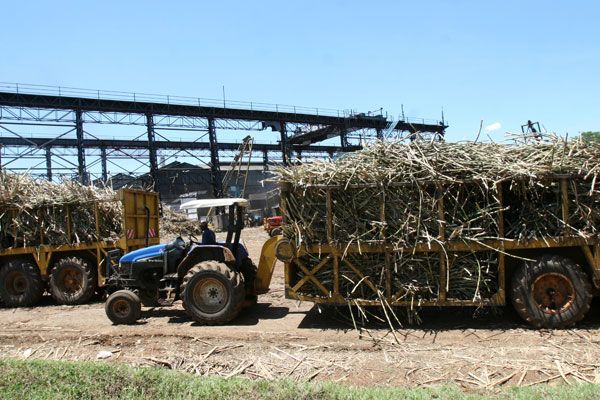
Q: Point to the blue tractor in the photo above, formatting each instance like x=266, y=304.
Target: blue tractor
x=214, y=281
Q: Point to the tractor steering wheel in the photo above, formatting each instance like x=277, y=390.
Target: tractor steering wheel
x=178, y=243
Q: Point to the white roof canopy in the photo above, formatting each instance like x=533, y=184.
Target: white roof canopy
x=208, y=203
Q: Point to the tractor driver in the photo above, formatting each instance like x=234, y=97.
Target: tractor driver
x=208, y=236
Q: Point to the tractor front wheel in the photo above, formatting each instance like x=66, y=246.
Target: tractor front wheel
x=123, y=307
x=212, y=293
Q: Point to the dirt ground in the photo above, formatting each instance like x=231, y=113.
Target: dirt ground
x=282, y=338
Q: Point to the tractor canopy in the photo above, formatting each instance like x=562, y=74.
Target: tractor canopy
x=208, y=203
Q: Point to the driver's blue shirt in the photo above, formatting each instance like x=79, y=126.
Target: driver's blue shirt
x=208, y=237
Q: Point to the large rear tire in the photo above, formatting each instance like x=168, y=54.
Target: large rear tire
x=73, y=281
x=552, y=292
x=20, y=284
x=212, y=293
x=123, y=307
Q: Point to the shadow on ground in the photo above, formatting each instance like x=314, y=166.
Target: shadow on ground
x=432, y=319
x=48, y=301
x=339, y=318
x=248, y=316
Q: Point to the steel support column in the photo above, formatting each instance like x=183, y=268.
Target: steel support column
x=285, y=148
x=344, y=137
x=80, y=150
x=379, y=133
x=215, y=170
x=152, y=150
x=103, y=163
x=265, y=160
x=49, y=163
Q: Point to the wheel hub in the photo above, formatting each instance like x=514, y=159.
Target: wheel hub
x=210, y=295
x=71, y=281
x=16, y=283
x=121, y=308
x=553, y=293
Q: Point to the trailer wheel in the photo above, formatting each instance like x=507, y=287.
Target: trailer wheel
x=20, y=284
x=72, y=281
x=123, y=307
x=552, y=292
x=212, y=293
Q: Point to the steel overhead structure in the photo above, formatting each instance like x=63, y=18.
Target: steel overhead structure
x=29, y=107
x=161, y=144
x=327, y=132
x=56, y=102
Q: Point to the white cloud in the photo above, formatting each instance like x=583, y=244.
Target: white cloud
x=493, y=127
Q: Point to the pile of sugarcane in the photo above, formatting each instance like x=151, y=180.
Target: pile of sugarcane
x=173, y=224
x=36, y=211
x=477, y=182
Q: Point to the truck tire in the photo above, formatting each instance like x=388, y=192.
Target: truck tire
x=123, y=307
x=212, y=293
x=72, y=281
x=20, y=284
x=552, y=292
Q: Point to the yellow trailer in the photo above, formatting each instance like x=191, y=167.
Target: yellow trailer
x=550, y=280
x=72, y=272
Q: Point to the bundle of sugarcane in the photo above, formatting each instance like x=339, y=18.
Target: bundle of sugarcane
x=409, y=178
x=396, y=193
x=173, y=224
x=34, y=212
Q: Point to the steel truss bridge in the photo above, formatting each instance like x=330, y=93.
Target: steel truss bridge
x=68, y=132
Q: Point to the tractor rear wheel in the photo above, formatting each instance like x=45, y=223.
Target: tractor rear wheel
x=123, y=307
x=552, y=292
x=72, y=281
x=212, y=293
x=20, y=284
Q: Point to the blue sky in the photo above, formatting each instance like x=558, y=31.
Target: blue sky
x=500, y=61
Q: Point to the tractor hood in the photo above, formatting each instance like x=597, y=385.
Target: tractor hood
x=146, y=252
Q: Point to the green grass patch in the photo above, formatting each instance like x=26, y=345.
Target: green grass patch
x=39, y=379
